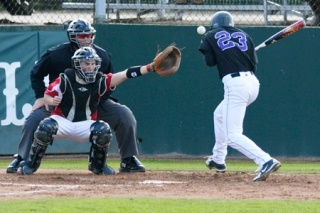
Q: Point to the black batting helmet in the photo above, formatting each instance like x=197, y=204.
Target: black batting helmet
x=221, y=19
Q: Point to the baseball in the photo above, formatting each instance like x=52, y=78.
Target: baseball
x=201, y=30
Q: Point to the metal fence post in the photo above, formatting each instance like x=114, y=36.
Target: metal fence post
x=100, y=11
x=161, y=11
x=265, y=12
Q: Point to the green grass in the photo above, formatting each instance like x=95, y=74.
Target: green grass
x=288, y=167
x=154, y=205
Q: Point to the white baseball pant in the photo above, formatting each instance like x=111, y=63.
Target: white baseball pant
x=239, y=92
x=75, y=131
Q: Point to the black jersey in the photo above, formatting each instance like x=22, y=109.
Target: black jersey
x=79, y=101
x=56, y=60
x=230, y=49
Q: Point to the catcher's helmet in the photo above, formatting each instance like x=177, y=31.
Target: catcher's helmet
x=221, y=19
x=86, y=54
x=83, y=27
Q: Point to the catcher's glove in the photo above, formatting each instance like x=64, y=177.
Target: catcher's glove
x=167, y=62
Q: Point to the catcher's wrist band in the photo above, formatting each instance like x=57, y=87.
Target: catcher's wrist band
x=133, y=72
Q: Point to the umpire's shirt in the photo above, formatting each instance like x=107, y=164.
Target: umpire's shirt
x=56, y=60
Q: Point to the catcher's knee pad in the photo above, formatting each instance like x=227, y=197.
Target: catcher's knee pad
x=101, y=134
x=100, y=138
x=45, y=131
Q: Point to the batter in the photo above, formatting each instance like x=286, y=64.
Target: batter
x=232, y=51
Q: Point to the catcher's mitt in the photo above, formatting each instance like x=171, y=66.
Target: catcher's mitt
x=168, y=61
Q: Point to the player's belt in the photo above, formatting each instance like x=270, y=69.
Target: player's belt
x=236, y=74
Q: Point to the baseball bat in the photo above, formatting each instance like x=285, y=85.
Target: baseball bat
x=282, y=33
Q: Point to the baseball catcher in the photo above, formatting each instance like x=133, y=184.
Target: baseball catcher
x=75, y=95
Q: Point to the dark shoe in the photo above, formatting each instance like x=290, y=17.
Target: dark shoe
x=14, y=165
x=24, y=169
x=131, y=164
x=107, y=170
x=213, y=165
x=270, y=166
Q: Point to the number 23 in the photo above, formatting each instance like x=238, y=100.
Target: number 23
x=225, y=42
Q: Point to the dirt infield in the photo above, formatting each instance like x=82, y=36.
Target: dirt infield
x=203, y=185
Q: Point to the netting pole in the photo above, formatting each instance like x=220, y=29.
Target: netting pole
x=100, y=11
x=265, y=12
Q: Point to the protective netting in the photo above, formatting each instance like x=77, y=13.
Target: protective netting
x=165, y=12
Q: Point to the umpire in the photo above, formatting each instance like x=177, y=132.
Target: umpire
x=56, y=60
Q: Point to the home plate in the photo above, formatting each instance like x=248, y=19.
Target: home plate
x=159, y=182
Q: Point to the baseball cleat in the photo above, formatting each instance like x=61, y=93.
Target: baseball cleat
x=213, y=165
x=258, y=169
x=131, y=164
x=14, y=165
x=24, y=169
x=107, y=170
x=270, y=166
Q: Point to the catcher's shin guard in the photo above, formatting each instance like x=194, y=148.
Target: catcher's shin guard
x=100, y=138
x=36, y=154
x=43, y=137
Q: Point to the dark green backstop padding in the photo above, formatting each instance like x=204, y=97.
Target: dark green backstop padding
x=174, y=113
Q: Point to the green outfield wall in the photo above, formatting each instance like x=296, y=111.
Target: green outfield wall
x=174, y=114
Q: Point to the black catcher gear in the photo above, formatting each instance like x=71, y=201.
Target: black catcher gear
x=86, y=54
x=80, y=27
x=101, y=134
x=45, y=131
x=43, y=137
x=100, y=138
x=221, y=19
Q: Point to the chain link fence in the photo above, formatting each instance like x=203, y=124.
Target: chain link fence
x=164, y=12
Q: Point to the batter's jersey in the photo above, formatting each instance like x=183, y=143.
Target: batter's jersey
x=230, y=49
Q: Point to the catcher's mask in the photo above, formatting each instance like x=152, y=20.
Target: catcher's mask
x=86, y=54
x=80, y=29
x=221, y=19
